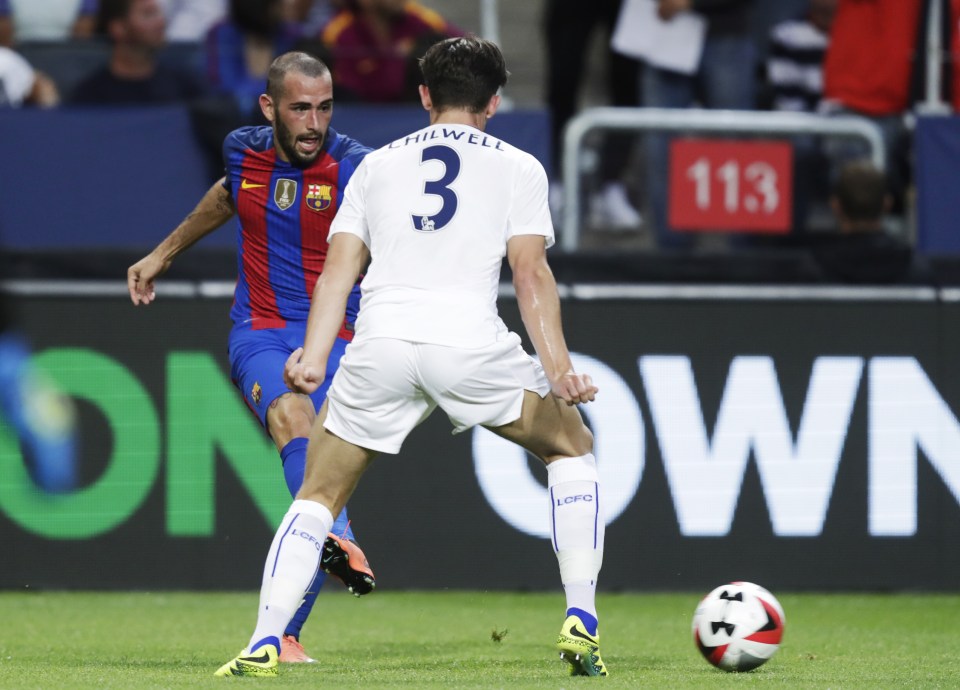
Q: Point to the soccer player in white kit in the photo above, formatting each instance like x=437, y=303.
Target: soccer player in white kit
x=435, y=213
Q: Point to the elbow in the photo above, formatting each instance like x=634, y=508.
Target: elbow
x=528, y=279
x=334, y=285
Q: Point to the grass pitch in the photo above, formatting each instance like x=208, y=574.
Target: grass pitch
x=448, y=640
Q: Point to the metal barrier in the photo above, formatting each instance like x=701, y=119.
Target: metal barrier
x=490, y=20
x=696, y=120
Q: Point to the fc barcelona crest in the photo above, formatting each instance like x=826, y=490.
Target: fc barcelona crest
x=285, y=193
x=318, y=197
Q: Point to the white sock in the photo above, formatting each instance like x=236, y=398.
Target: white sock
x=291, y=566
x=577, y=527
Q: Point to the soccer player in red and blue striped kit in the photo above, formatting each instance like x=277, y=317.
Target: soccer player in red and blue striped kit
x=285, y=182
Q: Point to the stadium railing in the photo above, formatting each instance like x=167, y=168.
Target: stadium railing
x=689, y=121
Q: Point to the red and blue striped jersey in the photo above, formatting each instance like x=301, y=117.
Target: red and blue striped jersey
x=284, y=215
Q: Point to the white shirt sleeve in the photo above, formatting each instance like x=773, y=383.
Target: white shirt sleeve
x=351, y=216
x=530, y=212
x=16, y=78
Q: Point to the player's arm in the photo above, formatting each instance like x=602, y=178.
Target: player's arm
x=540, y=310
x=215, y=208
x=307, y=366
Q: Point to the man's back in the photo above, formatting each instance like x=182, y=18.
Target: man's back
x=440, y=206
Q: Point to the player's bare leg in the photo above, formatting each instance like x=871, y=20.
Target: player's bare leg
x=290, y=416
x=548, y=428
x=290, y=419
x=334, y=467
x=555, y=432
x=341, y=464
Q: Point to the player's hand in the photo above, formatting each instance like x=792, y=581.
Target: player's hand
x=141, y=276
x=302, y=377
x=574, y=388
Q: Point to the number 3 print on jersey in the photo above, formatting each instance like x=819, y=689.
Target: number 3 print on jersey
x=439, y=187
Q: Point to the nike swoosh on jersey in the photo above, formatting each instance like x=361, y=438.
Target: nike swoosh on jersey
x=250, y=185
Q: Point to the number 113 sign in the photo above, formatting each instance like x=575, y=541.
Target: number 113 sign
x=721, y=185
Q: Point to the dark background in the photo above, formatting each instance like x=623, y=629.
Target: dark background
x=422, y=517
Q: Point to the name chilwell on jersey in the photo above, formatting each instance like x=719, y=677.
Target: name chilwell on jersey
x=475, y=138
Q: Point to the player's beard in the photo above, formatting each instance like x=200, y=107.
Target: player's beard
x=288, y=143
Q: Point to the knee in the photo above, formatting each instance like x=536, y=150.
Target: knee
x=290, y=416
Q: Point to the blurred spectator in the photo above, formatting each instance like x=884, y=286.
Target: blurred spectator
x=873, y=46
x=20, y=84
x=189, y=20
x=569, y=25
x=795, y=62
x=240, y=49
x=867, y=71
x=46, y=20
x=374, y=46
x=135, y=73
x=727, y=46
x=766, y=15
x=863, y=250
x=312, y=15
x=794, y=83
x=722, y=80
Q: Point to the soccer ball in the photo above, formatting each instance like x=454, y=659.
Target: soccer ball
x=738, y=626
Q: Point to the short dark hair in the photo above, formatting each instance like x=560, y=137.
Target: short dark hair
x=257, y=17
x=111, y=10
x=463, y=73
x=861, y=191
x=294, y=61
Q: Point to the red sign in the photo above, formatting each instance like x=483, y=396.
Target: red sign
x=731, y=186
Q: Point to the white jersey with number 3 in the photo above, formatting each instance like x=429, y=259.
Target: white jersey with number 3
x=436, y=209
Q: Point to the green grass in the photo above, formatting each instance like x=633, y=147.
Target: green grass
x=443, y=640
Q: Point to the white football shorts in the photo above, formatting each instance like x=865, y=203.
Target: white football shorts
x=385, y=387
